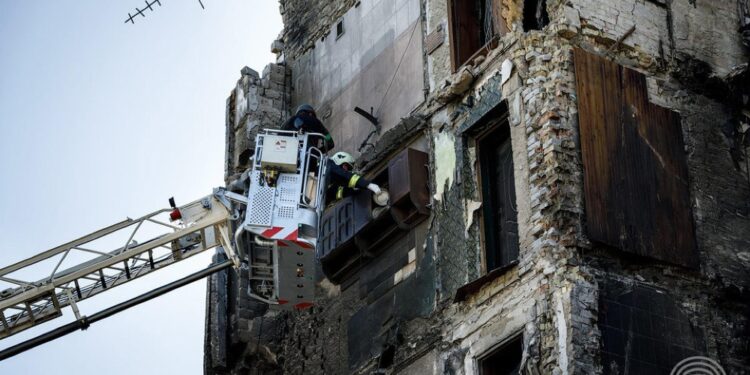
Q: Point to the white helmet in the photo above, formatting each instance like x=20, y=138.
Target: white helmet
x=342, y=158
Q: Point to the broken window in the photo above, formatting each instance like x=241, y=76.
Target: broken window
x=505, y=360
x=635, y=174
x=643, y=330
x=499, y=210
x=243, y=161
x=535, y=15
x=473, y=24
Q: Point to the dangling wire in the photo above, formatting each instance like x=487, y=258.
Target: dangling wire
x=395, y=72
x=488, y=22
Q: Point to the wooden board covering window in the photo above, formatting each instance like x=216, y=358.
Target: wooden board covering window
x=635, y=175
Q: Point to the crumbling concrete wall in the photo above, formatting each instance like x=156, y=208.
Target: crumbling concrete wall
x=440, y=311
x=718, y=189
x=255, y=103
x=533, y=298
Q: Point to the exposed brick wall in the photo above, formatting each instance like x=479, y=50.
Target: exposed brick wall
x=537, y=304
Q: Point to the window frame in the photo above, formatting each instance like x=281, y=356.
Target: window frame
x=515, y=338
x=499, y=29
x=340, y=30
x=489, y=127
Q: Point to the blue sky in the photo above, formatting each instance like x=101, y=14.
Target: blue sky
x=101, y=120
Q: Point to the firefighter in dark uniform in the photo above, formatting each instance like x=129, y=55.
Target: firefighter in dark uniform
x=343, y=180
x=306, y=121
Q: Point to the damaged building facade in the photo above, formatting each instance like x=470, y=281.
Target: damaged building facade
x=569, y=183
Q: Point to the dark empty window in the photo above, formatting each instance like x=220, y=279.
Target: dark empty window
x=473, y=23
x=386, y=358
x=339, y=29
x=505, y=360
x=535, y=15
x=243, y=161
x=498, y=195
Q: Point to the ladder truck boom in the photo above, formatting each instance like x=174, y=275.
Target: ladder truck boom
x=272, y=231
x=205, y=225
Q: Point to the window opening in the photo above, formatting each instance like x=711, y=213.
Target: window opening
x=535, y=15
x=473, y=24
x=505, y=360
x=488, y=24
x=386, y=358
x=500, y=211
x=243, y=161
x=339, y=29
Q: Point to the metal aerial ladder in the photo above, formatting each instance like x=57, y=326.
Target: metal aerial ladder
x=280, y=213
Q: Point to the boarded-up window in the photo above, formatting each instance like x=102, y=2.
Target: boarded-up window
x=499, y=211
x=473, y=24
x=635, y=175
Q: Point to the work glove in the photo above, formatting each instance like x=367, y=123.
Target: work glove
x=328, y=143
x=375, y=189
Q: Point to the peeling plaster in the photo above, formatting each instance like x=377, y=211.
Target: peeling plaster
x=562, y=336
x=445, y=162
x=506, y=71
x=472, y=151
x=471, y=206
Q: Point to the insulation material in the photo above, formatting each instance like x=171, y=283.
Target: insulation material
x=511, y=12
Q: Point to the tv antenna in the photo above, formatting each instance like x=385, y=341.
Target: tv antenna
x=149, y=6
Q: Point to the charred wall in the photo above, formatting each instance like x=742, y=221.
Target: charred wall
x=369, y=57
x=306, y=21
x=426, y=302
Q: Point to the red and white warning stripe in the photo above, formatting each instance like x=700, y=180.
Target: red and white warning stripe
x=277, y=233
x=286, y=236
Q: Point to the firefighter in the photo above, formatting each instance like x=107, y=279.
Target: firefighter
x=305, y=120
x=341, y=177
